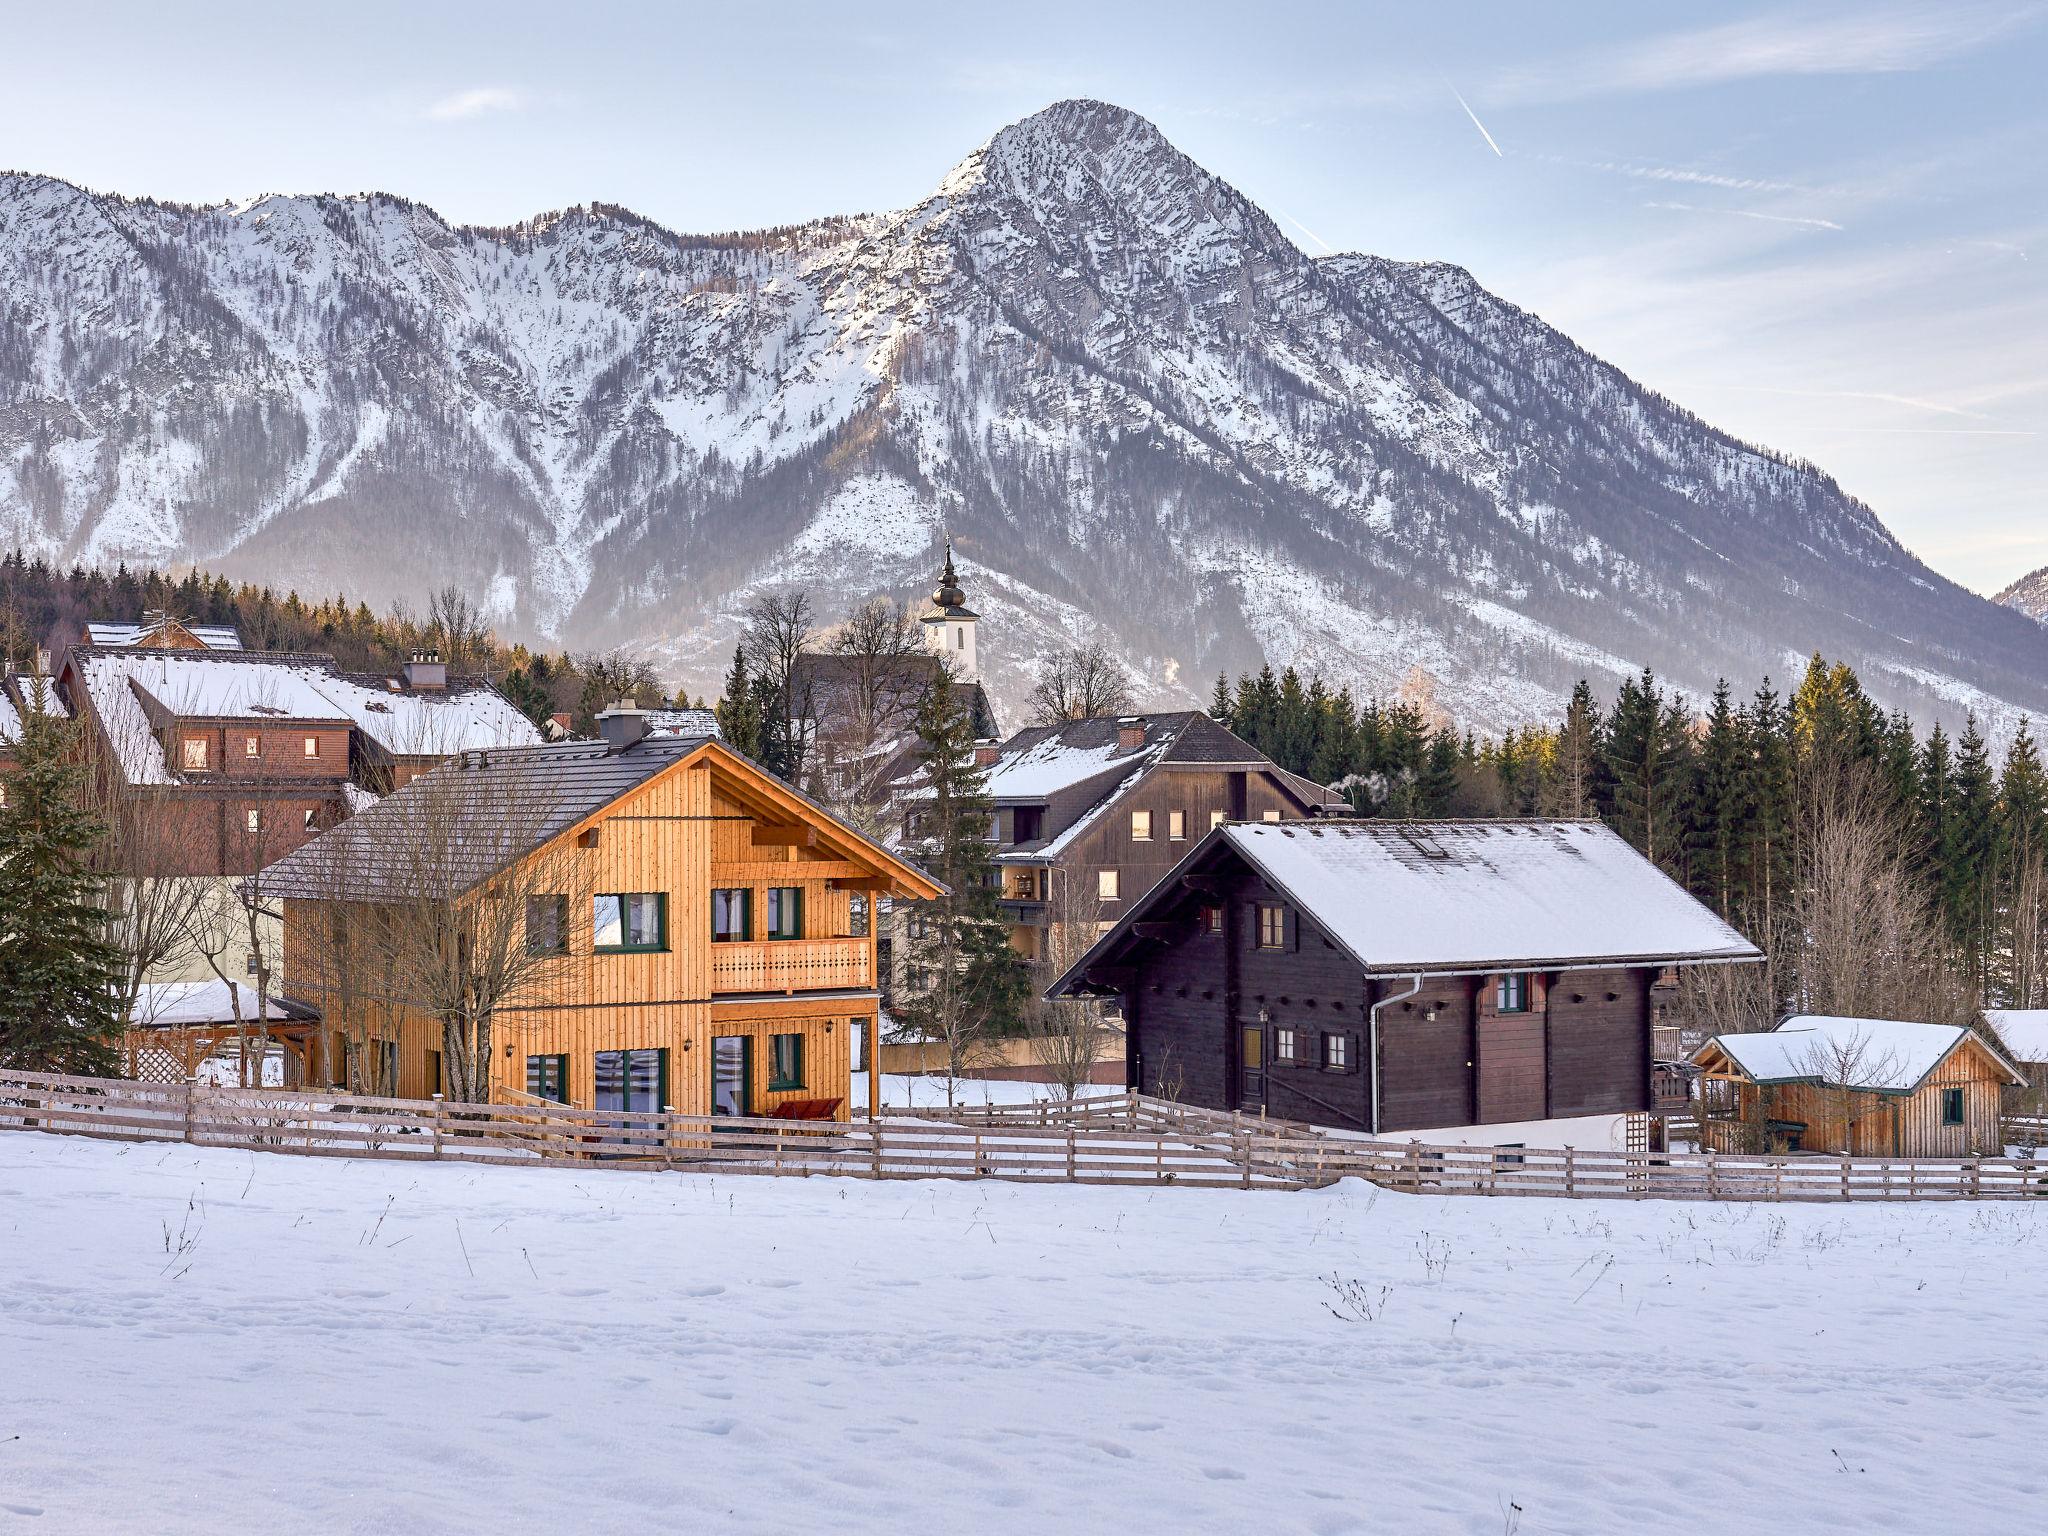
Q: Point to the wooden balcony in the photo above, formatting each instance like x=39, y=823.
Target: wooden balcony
x=1671, y=1087
x=791, y=965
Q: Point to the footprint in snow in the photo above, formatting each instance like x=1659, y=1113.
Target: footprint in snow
x=524, y=1415
x=1111, y=1448
x=701, y=1291
x=1223, y=1474
x=22, y=1509
x=717, y=1426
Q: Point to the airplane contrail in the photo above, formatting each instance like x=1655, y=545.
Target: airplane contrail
x=1476, y=123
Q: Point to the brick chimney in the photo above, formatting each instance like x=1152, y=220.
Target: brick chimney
x=987, y=753
x=621, y=726
x=425, y=671
x=1130, y=734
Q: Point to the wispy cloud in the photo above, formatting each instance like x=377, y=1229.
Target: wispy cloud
x=1886, y=40
x=1935, y=406
x=476, y=103
x=1692, y=178
x=1750, y=213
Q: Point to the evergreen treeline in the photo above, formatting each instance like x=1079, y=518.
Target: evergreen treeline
x=1723, y=798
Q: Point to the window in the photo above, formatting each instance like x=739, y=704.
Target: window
x=1272, y=927
x=312, y=746
x=1176, y=826
x=1215, y=820
x=1141, y=826
x=916, y=923
x=547, y=925
x=1106, y=884
x=436, y=1082
x=547, y=1077
x=1336, y=1053
x=1269, y=816
x=1212, y=919
x=857, y=915
x=195, y=754
x=253, y=819
x=1285, y=1045
x=1511, y=993
x=1951, y=1106
x=785, y=912
x=310, y=815
x=732, y=916
x=1027, y=823
x=786, y=1062
x=636, y=921
x=251, y=746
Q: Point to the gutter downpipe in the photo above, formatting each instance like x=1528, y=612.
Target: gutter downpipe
x=1373, y=1014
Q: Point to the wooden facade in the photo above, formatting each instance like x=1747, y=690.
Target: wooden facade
x=708, y=820
x=1953, y=1111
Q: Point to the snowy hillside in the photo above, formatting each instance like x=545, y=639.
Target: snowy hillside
x=1131, y=399
x=2029, y=595
x=201, y=1340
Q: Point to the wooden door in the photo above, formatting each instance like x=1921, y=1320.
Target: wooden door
x=1510, y=1068
x=1251, y=1093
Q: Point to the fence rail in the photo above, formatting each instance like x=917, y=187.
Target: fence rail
x=1114, y=1139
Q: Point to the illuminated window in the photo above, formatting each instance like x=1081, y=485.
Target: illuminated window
x=1176, y=826
x=1106, y=884
x=312, y=746
x=195, y=753
x=1141, y=826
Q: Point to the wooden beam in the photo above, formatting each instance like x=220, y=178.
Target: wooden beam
x=1203, y=885
x=1166, y=933
x=859, y=883
x=767, y=835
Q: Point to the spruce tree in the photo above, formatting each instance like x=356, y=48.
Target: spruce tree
x=973, y=985
x=1644, y=751
x=1969, y=882
x=1220, y=707
x=1720, y=805
x=739, y=707
x=1570, y=791
x=59, y=975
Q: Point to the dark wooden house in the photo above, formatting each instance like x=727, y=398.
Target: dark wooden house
x=1392, y=976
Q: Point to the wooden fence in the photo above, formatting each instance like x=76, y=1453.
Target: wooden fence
x=1115, y=1139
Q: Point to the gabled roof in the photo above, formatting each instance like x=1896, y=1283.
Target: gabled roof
x=479, y=812
x=1041, y=761
x=2023, y=1031
x=1457, y=896
x=467, y=715
x=215, y=637
x=1871, y=1055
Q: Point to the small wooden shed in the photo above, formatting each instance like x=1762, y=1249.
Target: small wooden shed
x=1867, y=1087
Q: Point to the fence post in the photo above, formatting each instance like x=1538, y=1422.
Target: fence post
x=1845, y=1176
x=1070, y=1152
x=191, y=1080
x=1571, y=1172
x=875, y=1144
x=1976, y=1176
x=438, y=1112
x=1713, y=1177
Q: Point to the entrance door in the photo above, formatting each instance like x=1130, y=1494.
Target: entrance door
x=635, y=1082
x=1251, y=1062
x=732, y=1075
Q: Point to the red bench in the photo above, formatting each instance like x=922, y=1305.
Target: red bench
x=805, y=1109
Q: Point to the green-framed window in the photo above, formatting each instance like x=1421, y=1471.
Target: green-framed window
x=785, y=912
x=786, y=1062
x=732, y=915
x=547, y=925
x=547, y=1077
x=629, y=922
x=1511, y=993
x=1951, y=1106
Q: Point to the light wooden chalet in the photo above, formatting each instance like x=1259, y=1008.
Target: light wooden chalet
x=705, y=930
x=1865, y=1087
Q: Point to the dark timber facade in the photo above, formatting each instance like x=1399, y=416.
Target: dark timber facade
x=1243, y=989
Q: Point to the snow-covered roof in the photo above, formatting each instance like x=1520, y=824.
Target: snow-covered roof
x=252, y=686
x=1049, y=766
x=180, y=1004
x=1880, y=1055
x=215, y=637
x=466, y=716
x=1408, y=896
x=683, y=722
x=2022, y=1031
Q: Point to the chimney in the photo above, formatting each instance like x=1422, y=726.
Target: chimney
x=622, y=725
x=425, y=671
x=987, y=753
x=1130, y=734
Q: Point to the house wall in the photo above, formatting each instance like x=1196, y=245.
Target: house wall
x=1446, y=1057
x=679, y=836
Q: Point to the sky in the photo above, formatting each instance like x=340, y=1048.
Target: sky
x=1823, y=228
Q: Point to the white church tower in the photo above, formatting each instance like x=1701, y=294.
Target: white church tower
x=949, y=625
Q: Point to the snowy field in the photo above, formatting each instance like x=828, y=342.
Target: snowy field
x=208, y=1341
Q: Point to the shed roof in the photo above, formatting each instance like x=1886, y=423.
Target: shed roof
x=182, y=1004
x=1875, y=1055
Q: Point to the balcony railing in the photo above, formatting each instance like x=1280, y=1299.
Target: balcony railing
x=791, y=965
x=1015, y=909
x=1671, y=1086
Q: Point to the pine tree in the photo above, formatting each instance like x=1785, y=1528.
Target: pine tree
x=1770, y=842
x=1645, y=752
x=973, y=985
x=1437, y=786
x=1570, y=792
x=59, y=976
x=1221, y=709
x=1969, y=882
x=739, y=707
x=1720, y=805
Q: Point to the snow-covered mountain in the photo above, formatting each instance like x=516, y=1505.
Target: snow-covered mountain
x=2029, y=595
x=1132, y=401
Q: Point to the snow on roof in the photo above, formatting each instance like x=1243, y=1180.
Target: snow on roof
x=2023, y=1031
x=251, y=686
x=684, y=722
x=1880, y=1055
x=177, y=1004
x=215, y=637
x=1046, y=767
x=466, y=716
x=1407, y=896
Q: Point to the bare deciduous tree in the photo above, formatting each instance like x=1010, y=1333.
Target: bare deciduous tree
x=1083, y=682
x=1069, y=1036
x=870, y=706
x=779, y=632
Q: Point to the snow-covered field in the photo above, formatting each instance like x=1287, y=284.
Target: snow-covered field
x=201, y=1341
